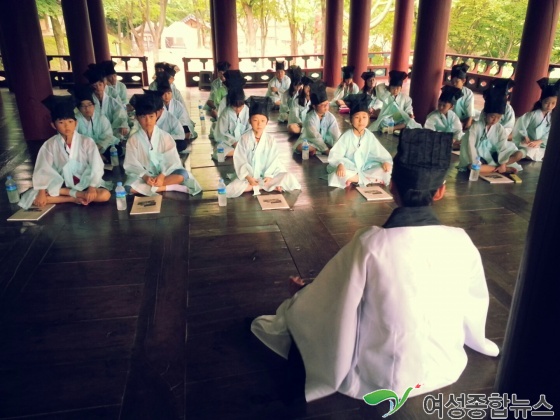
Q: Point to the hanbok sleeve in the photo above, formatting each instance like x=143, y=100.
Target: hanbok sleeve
x=355, y=88
x=334, y=130
x=45, y=176
x=505, y=148
x=241, y=162
x=273, y=165
x=337, y=155
x=105, y=138
x=338, y=93
x=312, y=132
x=95, y=162
x=132, y=165
x=469, y=104
x=430, y=123
x=119, y=116
x=222, y=128
x=457, y=128
x=520, y=130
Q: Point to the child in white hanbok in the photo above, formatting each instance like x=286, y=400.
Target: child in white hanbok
x=152, y=163
x=532, y=129
x=443, y=119
x=508, y=119
x=369, y=88
x=171, y=70
x=69, y=168
x=114, y=88
x=464, y=108
x=346, y=87
x=277, y=87
x=256, y=158
x=218, y=90
x=358, y=157
x=301, y=105
x=320, y=128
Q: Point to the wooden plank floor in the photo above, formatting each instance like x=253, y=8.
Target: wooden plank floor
x=107, y=316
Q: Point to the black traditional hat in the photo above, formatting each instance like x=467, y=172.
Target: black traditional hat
x=422, y=160
x=223, y=65
x=306, y=81
x=170, y=69
x=547, y=88
x=108, y=67
x=396, y=77
x=160, y=65
x=259, y=105
x=504, y=84
x=295, y=74
x=358, y=102
x=450, y=94
x=234, y=82
x=366, y=75
x=460, y=71
x=162, y=82
x=144, y=104
x=95, y=73
x=495, y=100
x=318, y=93
x=81, y=92
x=348, y=72
x=60, y=107
x=157, y=97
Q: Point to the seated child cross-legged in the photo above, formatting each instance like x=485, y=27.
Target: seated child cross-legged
x=69, y=168
x=256, y=159
x=300, y=106
x=443, y=119
x=152, y=163
x=357, y=156
x=487, y=139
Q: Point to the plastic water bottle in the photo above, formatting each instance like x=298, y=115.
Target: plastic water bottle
x=114, y=155
x=201, y=111
x=305, y=150
x=390, y=125
x=222, y=199
x=221, y=153
x=11, y=189
x=120, y=192
x=475, y=170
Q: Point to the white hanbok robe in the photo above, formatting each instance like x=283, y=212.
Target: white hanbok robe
x=230, y=127
x=283, y=86
x=536, y=126
x=153, y=157
x=168, y=123
x=99, y=129
x=177, y=109
x=399, y=108
x=464, y=108
x=176, y=94
x=363, y=157
x=491, y=145
x=375, y=103
x=507, y=121
x=322, y=133
x=394, y=308
x=218, y=91
x=57, y=165
x=449, y=123
x=118, y=92
x=297, y=112
x=114, y=111
x=343, y=92
x=259, y=160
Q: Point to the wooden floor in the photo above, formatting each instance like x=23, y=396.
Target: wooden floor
x=108, y=316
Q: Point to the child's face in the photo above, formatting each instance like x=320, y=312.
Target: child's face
x=258, y=122
x=348, y=81
x=171, y=79
x=147, y=121
x=98, y=87
x=548, y=104
x=111, y=79
x=280, y=74
x=322, y=108
x=307, y=89
x=167, y=96
x=458, y=83
x=370, y=82
x=65, y=126
x=395, y=90
x=221, y=76
x=443, y=107
x=360, y=120
x=87, y=108
x=493, y=118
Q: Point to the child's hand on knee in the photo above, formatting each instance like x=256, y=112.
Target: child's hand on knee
x=158, y=181
x=91, y=194
x=340, y=170
x=386, y=166
x=252, y=181
x=41, y=199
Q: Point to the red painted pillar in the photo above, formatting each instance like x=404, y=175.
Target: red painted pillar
x=358, y=37
x=402, y=35
x=98, y=27
x=534, y=53
x=29, y=71
x=333, y=42
x=78, y=32
x=429, y=56
x=225, y=30
x=529, y=361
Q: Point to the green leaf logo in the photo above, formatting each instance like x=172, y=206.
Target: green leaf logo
x=375, y=397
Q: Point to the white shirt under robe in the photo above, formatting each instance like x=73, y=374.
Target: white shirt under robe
x=230, y=127
x=57, y=165
x=118, y=91
x=114, y=111
x=342, y=92
x=321, y=133
x=449, y=123
x=536, y=126
x=362, y=156
x=464, y=108
x=394, y=308
x=152, y=157
x=98, y=128
x=259, y=160
x=399, y=108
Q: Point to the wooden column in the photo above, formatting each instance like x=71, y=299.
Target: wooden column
x=213, y=37
x=332, y=48
x=402, y=35
x=102, y=50
x=224, y=25
x=29, y=71
x=5, y=62
x=429, y=56
x=358, y=37
x=539, y=31
x=78, y=32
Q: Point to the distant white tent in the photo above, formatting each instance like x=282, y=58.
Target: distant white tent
x=183, y=34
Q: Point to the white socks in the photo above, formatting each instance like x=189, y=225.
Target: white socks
x=177, y=187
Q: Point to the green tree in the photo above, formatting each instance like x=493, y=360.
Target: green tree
x=52, y=11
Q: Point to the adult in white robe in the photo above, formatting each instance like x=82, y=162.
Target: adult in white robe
x=77, y=167
x=321, y=133
x=534, y=125
x=259, y=160
x=448, y=123
x=230, y=127
x=152, y=157
x=362, y=156
x=98, y=128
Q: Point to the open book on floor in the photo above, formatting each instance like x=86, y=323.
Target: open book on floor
x=32, y=214
x=496, y=178
x=146, y=205
x=273, y=202
x=322, y=158
x=374, y=193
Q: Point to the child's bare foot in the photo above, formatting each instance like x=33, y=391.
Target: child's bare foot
x=295, y=283
x=279, y=189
